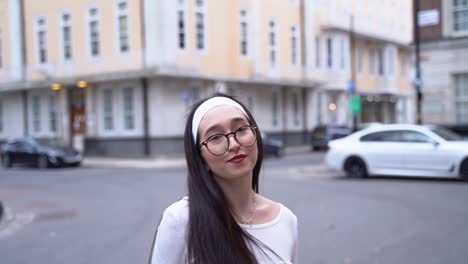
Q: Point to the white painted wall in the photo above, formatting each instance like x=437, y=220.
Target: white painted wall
x=13, y=125
x=16, y=40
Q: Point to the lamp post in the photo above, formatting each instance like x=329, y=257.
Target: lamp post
x=417, y=82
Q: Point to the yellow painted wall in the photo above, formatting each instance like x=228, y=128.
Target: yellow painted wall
x=109, y=59
x=222, y=55
x=5, y=32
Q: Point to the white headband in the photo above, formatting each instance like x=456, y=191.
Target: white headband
x=207, y=106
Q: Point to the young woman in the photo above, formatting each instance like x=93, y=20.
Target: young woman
x=223, y=219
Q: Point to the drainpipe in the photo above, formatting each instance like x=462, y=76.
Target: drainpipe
x=285, y=115
x=24, y=94
x=146, y=136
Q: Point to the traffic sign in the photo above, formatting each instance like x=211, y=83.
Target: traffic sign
x=355, y=105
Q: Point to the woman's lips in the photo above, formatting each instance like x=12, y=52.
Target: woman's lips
x=237, y=159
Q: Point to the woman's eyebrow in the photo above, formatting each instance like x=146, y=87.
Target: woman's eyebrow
x=234, y=120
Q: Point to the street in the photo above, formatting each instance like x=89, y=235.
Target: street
x=109, y=215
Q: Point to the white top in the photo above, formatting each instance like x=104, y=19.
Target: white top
x=280, y=235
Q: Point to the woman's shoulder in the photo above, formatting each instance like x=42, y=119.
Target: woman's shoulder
x=281, y=211
x=178, y=212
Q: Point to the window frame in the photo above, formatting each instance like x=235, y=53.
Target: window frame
x=90, y=19
x=244, y=36
x=273, y=43
x=118, y=33
x=1, y=51
x=202, y=11
x=63, y=44
x=182, y=6
x=36, y=113
x=295, y=45
x=128, y=101
x=37, y=29
x=108, y=110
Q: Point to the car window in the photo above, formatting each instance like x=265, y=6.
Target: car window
x=447, y=134
x=381, y=136
x=413, y=137
x=23, y=146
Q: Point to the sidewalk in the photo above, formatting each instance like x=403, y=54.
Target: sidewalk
x=158, y=162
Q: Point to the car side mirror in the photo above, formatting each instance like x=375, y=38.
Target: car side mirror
x=435, y=144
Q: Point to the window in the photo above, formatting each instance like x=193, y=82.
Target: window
x=413, y=137
x=200, y=24
x=250, y=103
x=360, y=59
x=36, y=108
x=460, y=15
x=391, y=61
x=107, y=109
x=372, y=59
x=295, y=103
x=294, y=45
x=317, y=52
x=461, y=98
x=1, y=50
x=329, y=53
x=342, y=53
x=383, y=136
x=53, y=112
x=41, y=40
x=181, y=25
x=93, y=31
x=404, y=65
x=244, y=49
x=122, y=22
x=381, y=61
x=272, y=39
x=66, y=37
x=128, y=105
x=1, y=115
x=275, y=102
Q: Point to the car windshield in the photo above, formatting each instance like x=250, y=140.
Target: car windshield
x=447, y=134
x=55, y=142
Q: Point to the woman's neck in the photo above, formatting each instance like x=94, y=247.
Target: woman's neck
x=239, y=193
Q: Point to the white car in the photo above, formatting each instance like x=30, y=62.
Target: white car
x=401, y=150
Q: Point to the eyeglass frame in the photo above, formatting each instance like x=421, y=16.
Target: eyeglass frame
x=205, y=143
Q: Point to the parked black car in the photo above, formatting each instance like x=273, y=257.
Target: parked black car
x=272, y=147
x=28, y=151
x=322, y=134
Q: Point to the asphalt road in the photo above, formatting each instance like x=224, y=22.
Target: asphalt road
x=109, y=215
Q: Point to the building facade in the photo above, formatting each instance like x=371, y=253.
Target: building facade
x=444, y=55
x=362, y=46
x=117, y=77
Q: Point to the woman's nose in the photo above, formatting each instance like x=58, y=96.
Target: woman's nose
x=233, y=144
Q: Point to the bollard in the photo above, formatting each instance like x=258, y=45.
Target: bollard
x=1, y=211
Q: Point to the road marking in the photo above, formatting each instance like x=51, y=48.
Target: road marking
x=13, y=223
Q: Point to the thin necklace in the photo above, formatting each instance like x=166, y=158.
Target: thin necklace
x=252, y=213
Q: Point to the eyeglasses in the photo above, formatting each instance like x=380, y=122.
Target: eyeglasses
x=218, y=144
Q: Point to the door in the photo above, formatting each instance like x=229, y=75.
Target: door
x=424, y=153
x=382, y=151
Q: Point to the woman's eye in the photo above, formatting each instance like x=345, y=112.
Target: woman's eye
x=215, y=138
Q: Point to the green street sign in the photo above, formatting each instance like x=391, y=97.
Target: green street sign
x=355, y=105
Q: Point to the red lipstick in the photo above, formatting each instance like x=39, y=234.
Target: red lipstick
x=238, y=158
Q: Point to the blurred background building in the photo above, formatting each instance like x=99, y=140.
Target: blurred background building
x=444, y=60
x=117, y=77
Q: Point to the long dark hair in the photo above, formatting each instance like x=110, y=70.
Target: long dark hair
x=214, y=236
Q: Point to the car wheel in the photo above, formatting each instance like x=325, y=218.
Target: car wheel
x=315, y=148
x=464, y=170
x=6, y=161
x=355, y=168
x=42, y=162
